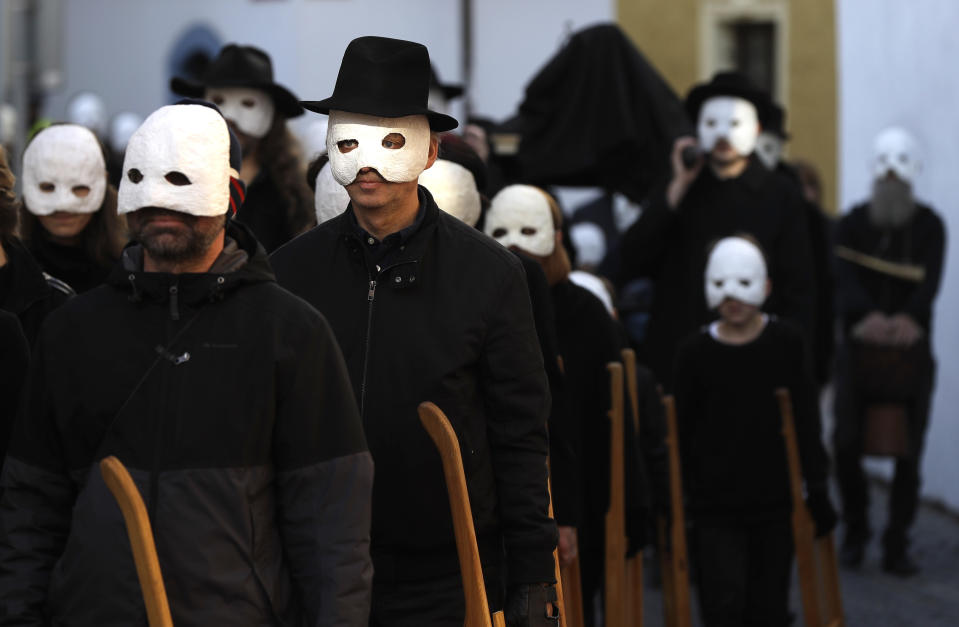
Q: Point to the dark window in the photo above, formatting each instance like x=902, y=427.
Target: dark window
x=754, y=52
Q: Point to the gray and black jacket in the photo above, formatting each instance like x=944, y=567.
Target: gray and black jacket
x=228, y=400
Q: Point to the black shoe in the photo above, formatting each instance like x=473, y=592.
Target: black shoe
x=900, y=564
x=852, y=553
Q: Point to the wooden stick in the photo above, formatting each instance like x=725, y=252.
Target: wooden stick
x=634, y=565
x=560, y=597
x=125, y=492
x=474, y=588
x=676, y=556
x=614, y=583
x=573, y=588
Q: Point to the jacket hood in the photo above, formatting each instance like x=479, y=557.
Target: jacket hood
x=242, y=262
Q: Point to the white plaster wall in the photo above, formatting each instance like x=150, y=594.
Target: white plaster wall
x=897, y=66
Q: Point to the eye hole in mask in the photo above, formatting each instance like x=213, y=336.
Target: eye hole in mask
x=903, y=158
x=217, y=100
x=718, y=284
x=528, y=230
x=498, y=233
x=47, y=187
x=347, y=145
x=80, y=191
x=134, y=175
x=249, y=103
x=745, y=282
x=177, y=178
x=394, y=141
x=734, y=123
x=710, y=122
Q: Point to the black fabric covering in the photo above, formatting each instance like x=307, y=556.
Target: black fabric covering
x=266, y=214
x=14, y=358
x=730, y=429
x=25, y=291
x=71, y=264
x=599, y=114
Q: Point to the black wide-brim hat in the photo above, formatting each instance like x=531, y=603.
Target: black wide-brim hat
x=385, y=77
x=241, y=66
x=774, y=120
x=726, y=84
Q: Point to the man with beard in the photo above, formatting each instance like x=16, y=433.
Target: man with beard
x=428, y=309
x=259, y=497
x=890, y=252
x=278, y=205
x=724, y=191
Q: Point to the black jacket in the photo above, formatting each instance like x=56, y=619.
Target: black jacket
x=227, y=399
x=861, y=290
x=670, y=247
x=272, y=221
x=14, y=358
x=26, y=290
x=447, y=320
x=71, y=264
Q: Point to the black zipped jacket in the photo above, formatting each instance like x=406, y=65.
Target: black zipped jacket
x=227, y=399
x=447, y=320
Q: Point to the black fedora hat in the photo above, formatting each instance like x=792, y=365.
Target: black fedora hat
x=241, y=66
x=725, y=84
x=384, y=77
x=774, y=120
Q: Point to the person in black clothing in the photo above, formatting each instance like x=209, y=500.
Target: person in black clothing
x=732, y=449
x=726, y=191
x=428, y=309
x=261, y=497
x=14, y=359
x=25, y=290
x=278, y=205
x=68, y=217
x=527, y=219
x=890, y=255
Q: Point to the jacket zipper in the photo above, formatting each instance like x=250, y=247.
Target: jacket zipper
x=158, y=422
x=370, y=295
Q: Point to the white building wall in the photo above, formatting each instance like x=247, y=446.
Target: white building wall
x=897, y=66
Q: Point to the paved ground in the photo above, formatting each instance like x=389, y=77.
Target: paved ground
x=872, y=598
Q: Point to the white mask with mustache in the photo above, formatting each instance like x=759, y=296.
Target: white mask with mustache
x=355, y=141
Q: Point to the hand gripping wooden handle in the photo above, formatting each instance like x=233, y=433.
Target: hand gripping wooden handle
x=125, y=492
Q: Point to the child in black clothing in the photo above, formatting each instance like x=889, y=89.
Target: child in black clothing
x=733, y=451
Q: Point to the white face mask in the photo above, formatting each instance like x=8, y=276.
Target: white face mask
x=896, y=151
x=520, y=216
x=729, y=118
x=251, y=110
x=64, y=170
x=373, y=148
x=454, y=190
x=330, y=198
x=179, y=159
x=736, y=270
x=769, y=149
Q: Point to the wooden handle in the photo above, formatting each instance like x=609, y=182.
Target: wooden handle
x=615, y=580
x=677, y=555
x=634, y=566
x=125, y=492
x=474, y=588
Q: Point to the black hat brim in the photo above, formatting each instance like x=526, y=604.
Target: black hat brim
x=286, y=103
x=439, y=122
x=701, y=93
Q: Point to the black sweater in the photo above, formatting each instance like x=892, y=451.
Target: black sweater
x=732, y=448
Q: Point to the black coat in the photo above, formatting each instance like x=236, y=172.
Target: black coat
x=14, y=358
x=26, y=291
x=71, y=264
x=264, y=211
x=861, y=290
x=447, y=321
x=670, y=247
x=227, y=399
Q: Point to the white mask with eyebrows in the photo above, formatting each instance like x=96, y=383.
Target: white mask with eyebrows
x=397, y=148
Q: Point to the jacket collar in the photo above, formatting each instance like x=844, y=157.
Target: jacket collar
x=242, y=262
x=752, y=177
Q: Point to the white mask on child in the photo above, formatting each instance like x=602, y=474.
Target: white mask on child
x=520, y=216
x=896, y=151
x=396, y=165
x=736, y=270
x=730, y=118
x=64, y=170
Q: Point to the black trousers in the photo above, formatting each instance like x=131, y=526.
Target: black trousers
x=743, y=572
x=437, y=602
x=847, y=444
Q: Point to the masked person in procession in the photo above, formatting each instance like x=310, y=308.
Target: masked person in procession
x=890, y=255
x=426, y=308
x=726, y=190
x=240, y=82
x=257, y=496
